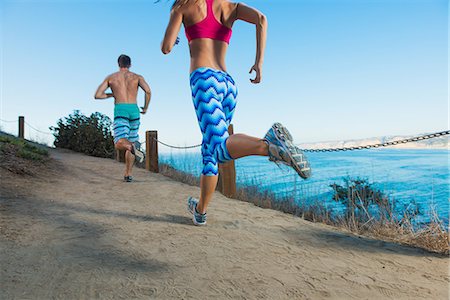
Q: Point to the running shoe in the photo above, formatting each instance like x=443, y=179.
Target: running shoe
x=128, y=178
x=282, y=150
x=197, y=218
x=138, y=153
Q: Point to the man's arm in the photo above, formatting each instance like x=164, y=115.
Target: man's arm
x=148, y=93
x=100, y=93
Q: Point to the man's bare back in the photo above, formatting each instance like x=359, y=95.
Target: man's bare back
x=124, y=86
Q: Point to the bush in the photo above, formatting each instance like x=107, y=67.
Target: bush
x=358, y=196
x=89, y=135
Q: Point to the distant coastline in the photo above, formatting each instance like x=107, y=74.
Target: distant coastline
x=440, y=143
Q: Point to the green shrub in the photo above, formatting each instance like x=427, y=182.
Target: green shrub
x=89, y=135
x=358, y=195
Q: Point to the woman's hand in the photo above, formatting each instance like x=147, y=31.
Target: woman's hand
x=258, y=70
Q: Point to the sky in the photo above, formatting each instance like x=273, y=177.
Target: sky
x=333, y=70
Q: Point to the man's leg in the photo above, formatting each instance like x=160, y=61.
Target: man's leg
x=134, y=134
x=124, y=145
x=129, y=162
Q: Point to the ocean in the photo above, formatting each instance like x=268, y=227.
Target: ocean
x=408, y=177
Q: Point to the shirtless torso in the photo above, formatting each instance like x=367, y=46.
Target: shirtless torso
x=124, y=86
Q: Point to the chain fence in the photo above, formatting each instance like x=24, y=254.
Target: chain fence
x=6, y=121
x=177, y=147
x=337, y=149
x=35, y=129
x=385, y=144
x=370, y=146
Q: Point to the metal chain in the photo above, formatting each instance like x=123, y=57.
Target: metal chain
x=38, y=129
x=386, y=144
x=404, y=141
x=176, y=147
x=8, y=121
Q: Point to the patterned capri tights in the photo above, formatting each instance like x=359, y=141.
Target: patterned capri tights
x=214, y=96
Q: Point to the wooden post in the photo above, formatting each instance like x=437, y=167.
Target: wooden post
x=227, y=175
x=120, y=155
x=151, y=163
x=21, y=127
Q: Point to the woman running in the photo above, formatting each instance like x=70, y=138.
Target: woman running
x=208, y=26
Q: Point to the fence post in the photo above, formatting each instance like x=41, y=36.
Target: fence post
x=227, y=175
x=120, y=155
x=151, y=149
x=21, y=127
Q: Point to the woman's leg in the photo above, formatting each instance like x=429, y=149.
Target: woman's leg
x=214, y=115
x=241, y=145
x=238, y=145
x=209, y=88
x=207, y=187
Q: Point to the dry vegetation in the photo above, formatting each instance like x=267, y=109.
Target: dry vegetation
x=360, y=219
x=22, y=157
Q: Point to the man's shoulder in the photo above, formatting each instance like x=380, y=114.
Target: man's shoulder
x=135, y=74
x=112, y=75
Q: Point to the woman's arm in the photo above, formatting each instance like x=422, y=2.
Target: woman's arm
x=173, y=28
x=253, y=16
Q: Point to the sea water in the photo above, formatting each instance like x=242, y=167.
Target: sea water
x=419, y=177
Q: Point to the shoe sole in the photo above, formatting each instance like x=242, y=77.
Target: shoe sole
x=283, y=136
x=282, y=131
x=138, y=154
x=305, y=171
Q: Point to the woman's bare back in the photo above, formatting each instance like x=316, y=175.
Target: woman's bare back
x=208, y=52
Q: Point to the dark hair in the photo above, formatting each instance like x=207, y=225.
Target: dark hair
x=124, y=61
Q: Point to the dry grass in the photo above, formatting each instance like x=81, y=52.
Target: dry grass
x=183, y=177
x=433, y=236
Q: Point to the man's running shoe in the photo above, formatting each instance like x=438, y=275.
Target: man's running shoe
x=138, y=153
x=128, y=178
x=197, y=218
x=282, y=149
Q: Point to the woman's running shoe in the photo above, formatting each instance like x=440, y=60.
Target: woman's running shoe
x=198, y=218
x=283, y=150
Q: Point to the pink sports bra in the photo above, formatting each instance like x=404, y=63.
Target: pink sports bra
x=209, y=27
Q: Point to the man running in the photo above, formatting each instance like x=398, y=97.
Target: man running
x=124, y=86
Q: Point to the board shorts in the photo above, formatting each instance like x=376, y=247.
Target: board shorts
x=126, y=122
x=214, y=96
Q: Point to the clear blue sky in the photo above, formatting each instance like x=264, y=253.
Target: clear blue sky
x=334, y=69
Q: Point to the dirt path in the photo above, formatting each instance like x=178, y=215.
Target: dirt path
x=81, y=233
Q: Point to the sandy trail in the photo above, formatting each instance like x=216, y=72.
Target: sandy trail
x=81, y=233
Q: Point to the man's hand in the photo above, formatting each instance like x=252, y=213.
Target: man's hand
x=144, y=110
x=257, y=68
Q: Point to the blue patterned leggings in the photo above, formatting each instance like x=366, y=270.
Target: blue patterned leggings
x=214, y=96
